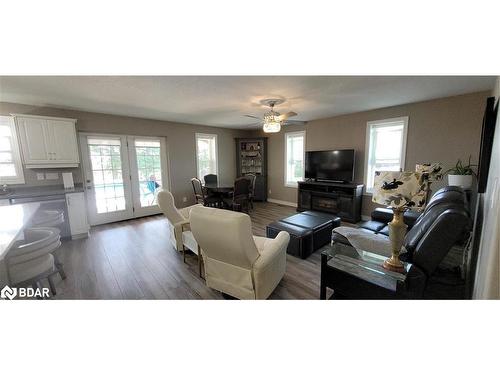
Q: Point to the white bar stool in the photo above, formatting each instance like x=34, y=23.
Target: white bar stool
x=50, y=219
x=31, y=260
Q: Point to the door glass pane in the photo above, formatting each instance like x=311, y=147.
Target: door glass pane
x=105, y=160
x=148, y=170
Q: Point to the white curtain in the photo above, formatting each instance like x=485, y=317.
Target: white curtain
x=487, y=283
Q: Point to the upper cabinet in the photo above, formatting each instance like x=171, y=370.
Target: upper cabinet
x=48, y=142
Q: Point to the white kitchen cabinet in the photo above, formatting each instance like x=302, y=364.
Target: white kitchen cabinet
x=48, y=142
x=77, y=215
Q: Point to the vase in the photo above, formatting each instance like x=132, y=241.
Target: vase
x=464, y=181
x=397, y=232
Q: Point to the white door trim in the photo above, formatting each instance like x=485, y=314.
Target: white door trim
x=94, y=217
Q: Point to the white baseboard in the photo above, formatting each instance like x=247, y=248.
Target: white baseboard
x=284, y=203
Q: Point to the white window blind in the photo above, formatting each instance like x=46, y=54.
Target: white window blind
x=11, y=170
x=386, y=147
x=206, y=154
x=294, y=158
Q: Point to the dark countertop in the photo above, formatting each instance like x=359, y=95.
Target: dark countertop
x=40, y=191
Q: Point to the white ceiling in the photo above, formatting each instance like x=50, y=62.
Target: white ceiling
x=223, y=100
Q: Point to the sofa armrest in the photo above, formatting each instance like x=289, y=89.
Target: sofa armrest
x=384, y=215
x=410, y=217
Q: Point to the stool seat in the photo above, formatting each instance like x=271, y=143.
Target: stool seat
x=48, y=218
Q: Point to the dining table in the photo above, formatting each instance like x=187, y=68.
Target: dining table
x=219, y=188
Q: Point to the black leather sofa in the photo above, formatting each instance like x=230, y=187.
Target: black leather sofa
x=380, y=217
x=444, y=222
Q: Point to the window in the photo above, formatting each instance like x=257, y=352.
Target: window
x=294, y=157
x=386, y=147
x=11, y=169
x=206, y=154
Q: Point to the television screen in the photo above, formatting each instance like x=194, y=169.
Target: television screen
x=487, y=134
x=334, y=165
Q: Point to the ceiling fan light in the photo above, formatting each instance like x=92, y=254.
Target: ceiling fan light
x=272, y=127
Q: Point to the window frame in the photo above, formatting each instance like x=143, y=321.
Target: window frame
x=286, y=135
x=16, y=154
x=206, y=135
x=402, y=157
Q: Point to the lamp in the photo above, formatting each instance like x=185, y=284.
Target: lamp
x=430, y=172
x=401, y=191
x=272, y=127
x=272, y=123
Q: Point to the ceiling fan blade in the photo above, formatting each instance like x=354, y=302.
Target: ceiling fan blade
x=251, y=116
x=287, y=115
x=294, y=122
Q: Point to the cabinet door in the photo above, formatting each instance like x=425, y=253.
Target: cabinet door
x=34, y=136
x=304, y=200
x=77, y=214
x=63, y=141
x=345, y=207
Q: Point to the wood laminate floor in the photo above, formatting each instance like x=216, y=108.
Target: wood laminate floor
x=134, y=260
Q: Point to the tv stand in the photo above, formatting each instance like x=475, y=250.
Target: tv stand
x=342, y=199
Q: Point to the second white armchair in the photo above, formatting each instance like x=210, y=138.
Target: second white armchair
x=178, y=220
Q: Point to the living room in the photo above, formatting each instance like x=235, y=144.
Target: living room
x=264, y=192
x=448, y=112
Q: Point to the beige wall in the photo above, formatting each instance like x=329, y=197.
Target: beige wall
x=180, y=143
x=440, y=130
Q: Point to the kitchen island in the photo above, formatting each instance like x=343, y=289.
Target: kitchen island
x=13, y=220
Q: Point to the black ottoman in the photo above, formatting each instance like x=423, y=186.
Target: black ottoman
x=301, y=239
x=308, y=231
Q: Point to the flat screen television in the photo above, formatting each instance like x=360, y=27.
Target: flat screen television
x=332, y=165
x=487, y=135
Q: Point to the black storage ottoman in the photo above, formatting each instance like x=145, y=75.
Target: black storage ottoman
x=301, y=239
x=308, y=231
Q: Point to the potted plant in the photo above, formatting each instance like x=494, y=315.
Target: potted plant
x=461, y=175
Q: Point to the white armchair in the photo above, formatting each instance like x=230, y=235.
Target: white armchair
x=178, y=220
x=237, y=263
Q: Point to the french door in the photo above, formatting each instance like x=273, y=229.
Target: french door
x=122, y=175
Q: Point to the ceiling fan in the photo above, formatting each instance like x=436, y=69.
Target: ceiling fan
x=272, y=120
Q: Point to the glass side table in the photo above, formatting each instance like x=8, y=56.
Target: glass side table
x=357, y=274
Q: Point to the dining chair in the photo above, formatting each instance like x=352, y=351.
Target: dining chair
x=200, y=195
x=252, y=177
x=210, y=179
x=239, y=201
